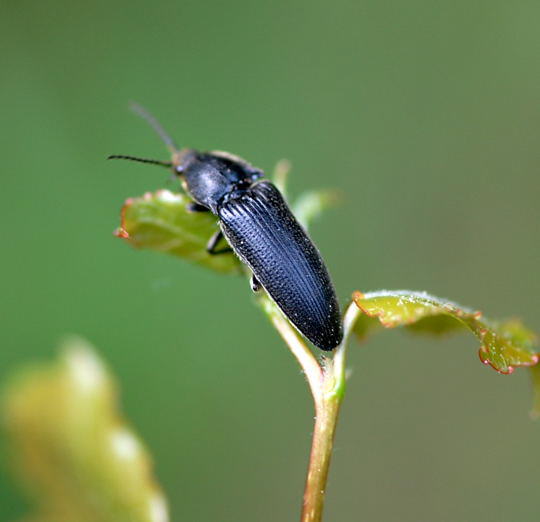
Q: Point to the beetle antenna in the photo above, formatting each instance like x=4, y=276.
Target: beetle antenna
x=154, y=123
x=167, y=164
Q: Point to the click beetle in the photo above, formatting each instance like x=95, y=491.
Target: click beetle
x=262, y=231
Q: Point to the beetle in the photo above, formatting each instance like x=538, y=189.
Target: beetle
x=262, y=231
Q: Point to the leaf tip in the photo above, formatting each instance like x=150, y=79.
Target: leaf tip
x=121, y=232
x=483, y=354
x=357, y=295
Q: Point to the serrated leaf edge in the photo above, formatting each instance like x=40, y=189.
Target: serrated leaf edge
x=452, y=309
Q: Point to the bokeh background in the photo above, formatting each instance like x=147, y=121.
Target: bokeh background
x=425, y=115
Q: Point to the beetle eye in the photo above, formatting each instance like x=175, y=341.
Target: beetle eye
x=179, y=169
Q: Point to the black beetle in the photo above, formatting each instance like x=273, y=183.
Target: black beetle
x=262, y=231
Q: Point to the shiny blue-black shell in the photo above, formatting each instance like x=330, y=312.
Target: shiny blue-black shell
x=265, y=235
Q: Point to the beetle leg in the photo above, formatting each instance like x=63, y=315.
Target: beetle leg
x=195, y=207
x=211, y=246
x=254, y=282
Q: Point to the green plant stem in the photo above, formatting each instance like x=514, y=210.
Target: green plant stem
x=327, y=408
x=327, y=384
x=304, y=356
x=319, y=461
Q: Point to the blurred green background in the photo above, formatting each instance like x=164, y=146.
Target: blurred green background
x=424, y=114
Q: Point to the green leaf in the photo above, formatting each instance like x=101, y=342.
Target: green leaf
x=310, y=205
x=504, y=345
x=160, y=221
x=280, y=176
x=535, y=374
x=72, y=450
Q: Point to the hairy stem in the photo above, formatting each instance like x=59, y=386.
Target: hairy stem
x=327, y=384
x=298, y=348
x=327, y=410
x=319, y=461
